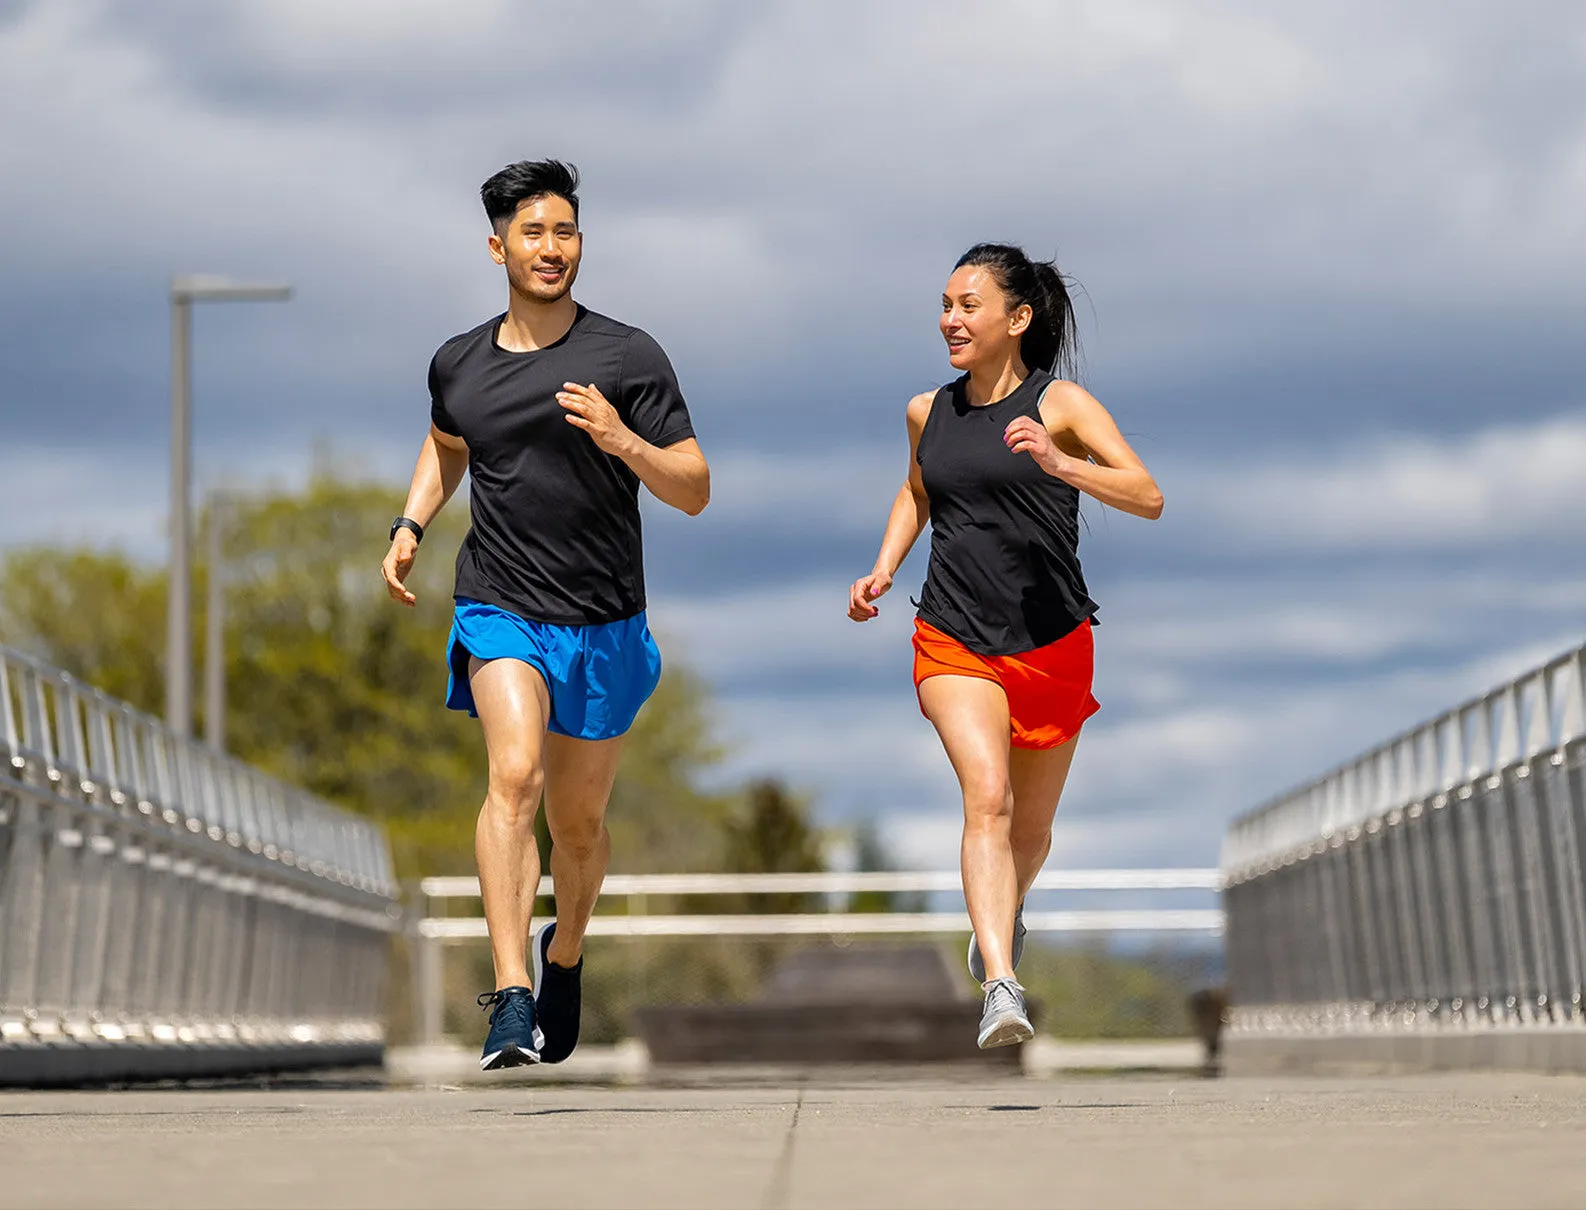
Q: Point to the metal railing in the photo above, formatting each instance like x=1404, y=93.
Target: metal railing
x=433, y=932
x=165, y=909
x=1437, y=879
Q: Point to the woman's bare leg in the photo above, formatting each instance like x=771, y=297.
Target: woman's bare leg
x=971, y=716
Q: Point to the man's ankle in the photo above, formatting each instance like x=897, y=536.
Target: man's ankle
x=556, y=954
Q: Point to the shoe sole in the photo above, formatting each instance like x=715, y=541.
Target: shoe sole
x=508, y=1056
x=537, y=956
x=1008, y=1031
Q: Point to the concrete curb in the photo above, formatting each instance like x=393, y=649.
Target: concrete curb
x=1546, y=1049
x=55, y=1066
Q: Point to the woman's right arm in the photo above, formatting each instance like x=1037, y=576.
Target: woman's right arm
x=911, y=510
x=443, y=459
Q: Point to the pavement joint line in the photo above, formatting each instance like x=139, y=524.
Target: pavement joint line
x=780, y=1186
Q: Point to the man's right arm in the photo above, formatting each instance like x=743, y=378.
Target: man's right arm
x=443, y=460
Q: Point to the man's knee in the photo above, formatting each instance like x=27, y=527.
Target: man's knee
x=577, y=838
x=515, y=787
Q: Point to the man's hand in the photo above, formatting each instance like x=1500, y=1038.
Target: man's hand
x=1026, y=435
x=398, y=562
x=863, y=592
x=587, y=409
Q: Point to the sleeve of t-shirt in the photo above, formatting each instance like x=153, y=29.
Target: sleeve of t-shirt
x=651, y=397
x=439, y=416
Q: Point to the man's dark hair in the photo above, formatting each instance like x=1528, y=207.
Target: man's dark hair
x=524, y=181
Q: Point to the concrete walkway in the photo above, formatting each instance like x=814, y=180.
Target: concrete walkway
x=828, y=1139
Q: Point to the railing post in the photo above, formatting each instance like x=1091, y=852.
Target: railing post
x=427, y=970
x=432, y=968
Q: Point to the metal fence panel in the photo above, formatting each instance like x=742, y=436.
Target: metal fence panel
x=1445, y=874
x=164, y=908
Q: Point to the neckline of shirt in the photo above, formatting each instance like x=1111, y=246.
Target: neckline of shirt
x=963, y=392
x=495, y=335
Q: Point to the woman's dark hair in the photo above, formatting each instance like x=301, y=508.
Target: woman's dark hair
x=524, y=181
x=1051, y=342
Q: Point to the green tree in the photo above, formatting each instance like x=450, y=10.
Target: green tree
x=770, y=833
x=96, y=614
x=332, y=686
x=871, y=856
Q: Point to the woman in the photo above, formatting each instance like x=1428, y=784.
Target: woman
x=1002, y=642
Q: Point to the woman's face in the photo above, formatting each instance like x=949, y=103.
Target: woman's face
x=976, y=322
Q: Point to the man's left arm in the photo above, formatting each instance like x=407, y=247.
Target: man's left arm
x=677, y=475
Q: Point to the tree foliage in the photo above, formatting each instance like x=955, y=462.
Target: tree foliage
x=870, y=856
x=770, y=833
x=332, y=686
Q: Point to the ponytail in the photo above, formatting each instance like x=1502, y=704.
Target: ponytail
x=1051, y=342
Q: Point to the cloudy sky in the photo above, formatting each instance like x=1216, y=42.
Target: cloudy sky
x=1333, y=259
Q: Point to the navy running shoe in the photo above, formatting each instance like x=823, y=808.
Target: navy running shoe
x=515, y=1039
x=558, y=998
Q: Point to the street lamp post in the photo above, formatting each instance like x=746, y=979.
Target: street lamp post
x=219, y=513
x=185, y=291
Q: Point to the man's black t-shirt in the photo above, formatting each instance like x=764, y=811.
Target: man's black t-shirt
x=556, y=535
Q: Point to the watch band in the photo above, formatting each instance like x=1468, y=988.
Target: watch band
x=409, y=524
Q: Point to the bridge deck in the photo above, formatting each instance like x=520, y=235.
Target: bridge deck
x=836, y=1139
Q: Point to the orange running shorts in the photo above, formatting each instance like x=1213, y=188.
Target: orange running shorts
x=1049, y=689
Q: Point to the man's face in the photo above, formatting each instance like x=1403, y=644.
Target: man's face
x=540, y=247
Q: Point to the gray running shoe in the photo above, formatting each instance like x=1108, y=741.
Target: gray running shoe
x=977, y=964
x=1005, y=1021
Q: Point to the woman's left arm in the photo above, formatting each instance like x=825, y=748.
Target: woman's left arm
x=1110, y=471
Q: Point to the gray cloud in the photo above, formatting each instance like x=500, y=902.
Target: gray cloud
x=1332, y=256
x=1240, y=185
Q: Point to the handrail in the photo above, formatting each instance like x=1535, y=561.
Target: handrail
x=1538, y=712
x=842, y=924
x=59, y=733
x=433, y=933
x=840, y=883
x=1437, y=880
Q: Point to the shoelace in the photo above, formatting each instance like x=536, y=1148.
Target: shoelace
x=1002, y=995
x=496, y=1002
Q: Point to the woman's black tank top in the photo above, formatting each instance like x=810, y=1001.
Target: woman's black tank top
x=1004, y=576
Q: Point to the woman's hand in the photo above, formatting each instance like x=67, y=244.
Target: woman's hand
x=1027, y=435
x=863, y=592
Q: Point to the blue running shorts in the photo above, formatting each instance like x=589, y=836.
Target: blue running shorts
x=598, y=676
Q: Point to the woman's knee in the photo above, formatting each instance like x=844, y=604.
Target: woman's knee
x=988, y=802
x=1030, y=839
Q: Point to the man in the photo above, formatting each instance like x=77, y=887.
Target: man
x=559, y=414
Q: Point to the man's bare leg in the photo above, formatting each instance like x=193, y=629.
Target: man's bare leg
x=513, y=705
x=579, y=774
